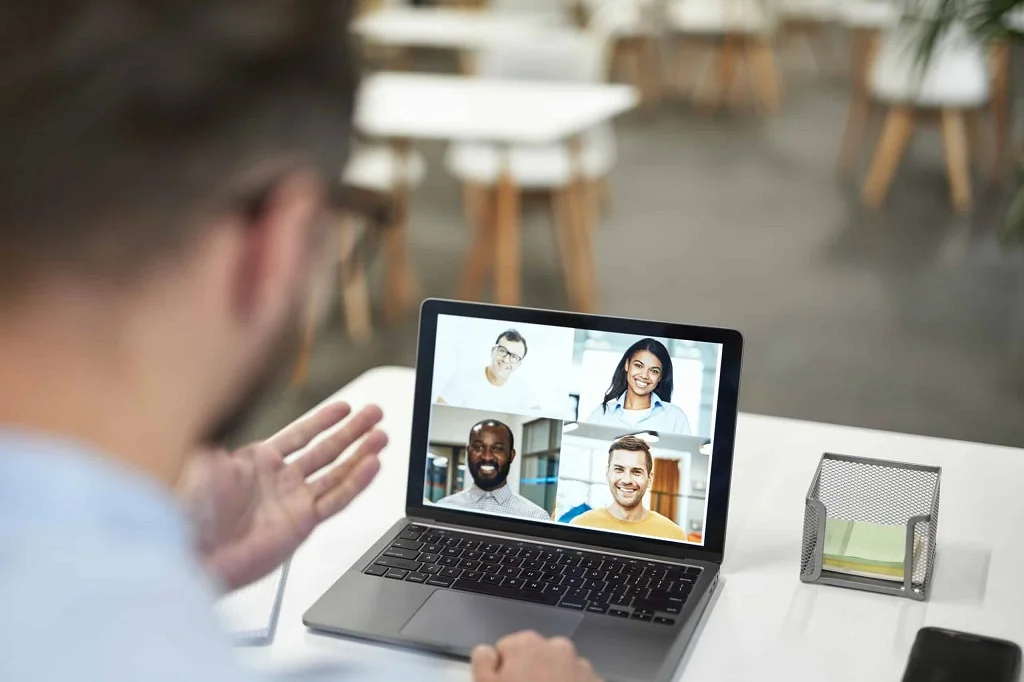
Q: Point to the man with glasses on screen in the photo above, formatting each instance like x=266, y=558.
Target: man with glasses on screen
x=491, y=451
x=492, y=387
x=630, y=474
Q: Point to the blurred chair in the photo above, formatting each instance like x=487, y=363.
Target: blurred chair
x=546, y=12
x=546, y=169
x=866, y=21
x=629, y=27
x=371, y=199
x=954, y=84
x=737, y=32
x=811, y=20
x=1001, y=107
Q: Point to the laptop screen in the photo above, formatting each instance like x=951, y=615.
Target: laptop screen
x=594, y=429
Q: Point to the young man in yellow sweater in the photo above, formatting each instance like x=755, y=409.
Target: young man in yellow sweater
x=630, y=472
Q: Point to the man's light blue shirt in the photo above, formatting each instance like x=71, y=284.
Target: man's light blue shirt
x=664, y=416
x=98, y=579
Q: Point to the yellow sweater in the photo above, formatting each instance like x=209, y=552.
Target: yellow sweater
x=655, y=525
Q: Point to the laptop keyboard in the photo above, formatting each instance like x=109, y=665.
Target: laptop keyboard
x=592, y=582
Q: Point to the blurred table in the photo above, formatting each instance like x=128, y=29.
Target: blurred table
x=401, y=107
x=766, y=624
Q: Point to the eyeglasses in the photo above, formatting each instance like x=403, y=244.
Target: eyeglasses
x=505, y=353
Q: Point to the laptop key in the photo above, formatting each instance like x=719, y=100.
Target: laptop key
x=556, y=589
x=517, y=583
x=409, y=554
x=596, y=585
x=390, y=562
x=533, y=565
x=375, y=570
x=642, y=616
x=410, y=534
x=493, y=579
x=428, y=558
x=472, y=554
x=618, y=613
x=450, y=573
x=531, y=554
x=451, y=551
x=621, y=600
x=660, y=620
x=596, y=574
x=612, y=567
x=580, y=593
x=437, y=581
x=489, y=568
x=396, y=573
x=693, y=570
x=473, y=545
x=552, y=578
x=416, y=577
x=574, y=604
x=597, y=608
x=503, y=591
x=448, y=561
x=472, y=575
x=601, y=597
x=511, y=561
x=574, y=582
x=533, y=585
x=510, y=571
x=491, y=558
x=656, y=574
x=431, y=539
x=451, y=541
x=531, y=575
x=574, y=572
x=432, y=569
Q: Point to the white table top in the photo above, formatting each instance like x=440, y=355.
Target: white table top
x=766, y=624
x=442, y=27
x=442, y=107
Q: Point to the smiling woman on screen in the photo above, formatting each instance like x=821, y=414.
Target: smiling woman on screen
x=640, y=392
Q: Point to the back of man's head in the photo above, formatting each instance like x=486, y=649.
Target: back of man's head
x=124, y=122
x=162, y=178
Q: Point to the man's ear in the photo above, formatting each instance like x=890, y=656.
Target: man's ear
x=276, y=237
x=511, y=455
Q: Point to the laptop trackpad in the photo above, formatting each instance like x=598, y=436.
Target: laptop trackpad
x=461, y=621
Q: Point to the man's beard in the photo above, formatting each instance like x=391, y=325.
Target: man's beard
x=271, y=377
x=490, y=484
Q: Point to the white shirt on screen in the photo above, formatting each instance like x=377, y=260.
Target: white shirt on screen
x=634, y=417
x=470, y=388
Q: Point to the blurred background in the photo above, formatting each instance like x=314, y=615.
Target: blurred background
x=783, y=167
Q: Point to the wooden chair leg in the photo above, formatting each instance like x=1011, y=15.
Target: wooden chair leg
x=507, y=273
x=300, y=371
x=561, y=227
x=680, y=78
x=972, y=126
x=479, y=205
x=650, y=58
x=705, y=95
x=899, y=126
x=954, y=139
x=766, y=75
x=355, y=292
x=1000, y=107
x=400, y=286
x=727, y=70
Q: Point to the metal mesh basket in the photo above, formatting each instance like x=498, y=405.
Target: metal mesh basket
x=873, y=491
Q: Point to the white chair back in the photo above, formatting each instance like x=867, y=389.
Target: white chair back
x=563, y=55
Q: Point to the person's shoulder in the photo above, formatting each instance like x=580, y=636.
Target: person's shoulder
x=587, y=518
x=663, y=522
x=535, y=509
x=677, y=414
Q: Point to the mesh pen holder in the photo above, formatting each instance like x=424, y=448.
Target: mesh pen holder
x=873, y=491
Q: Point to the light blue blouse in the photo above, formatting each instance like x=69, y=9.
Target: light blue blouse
x=664, y=416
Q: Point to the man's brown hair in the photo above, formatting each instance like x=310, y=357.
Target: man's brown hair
x=124, y=122
x=632, y=444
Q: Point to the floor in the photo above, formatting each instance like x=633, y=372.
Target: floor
x=908, y=319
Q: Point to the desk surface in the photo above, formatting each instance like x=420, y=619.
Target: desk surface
x=443, y=27
x=427, y=106
x=766, y=624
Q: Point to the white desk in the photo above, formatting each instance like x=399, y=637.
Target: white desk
x=444, y=28
x=766, y=624
x=401, y=107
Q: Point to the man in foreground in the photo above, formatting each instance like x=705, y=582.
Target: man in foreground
x=162, y=204
x=630, y=473
x=490, y=453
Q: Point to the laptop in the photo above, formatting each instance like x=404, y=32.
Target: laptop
x=568, y=474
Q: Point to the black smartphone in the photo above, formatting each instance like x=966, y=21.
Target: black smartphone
x=942, y=655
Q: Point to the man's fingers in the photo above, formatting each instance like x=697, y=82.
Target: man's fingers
x=339, y=497
x=300, y=433
x=372, y=444
x=330, y=448
x=485, y=662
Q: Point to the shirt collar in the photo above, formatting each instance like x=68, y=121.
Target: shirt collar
x=49, y=481
x=620, y=402
x=501, y=495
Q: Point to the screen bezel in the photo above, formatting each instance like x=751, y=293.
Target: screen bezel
x=722, y=442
